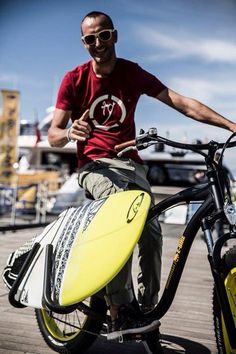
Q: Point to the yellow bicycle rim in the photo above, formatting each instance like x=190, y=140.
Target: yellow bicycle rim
x=230, y=285
x=55, y=331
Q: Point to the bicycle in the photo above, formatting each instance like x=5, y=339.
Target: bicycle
x=73, y=329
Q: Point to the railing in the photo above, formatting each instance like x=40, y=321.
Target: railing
x=23, y=206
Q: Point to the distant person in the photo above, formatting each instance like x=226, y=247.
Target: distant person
x=100, y=98
x=225, y=177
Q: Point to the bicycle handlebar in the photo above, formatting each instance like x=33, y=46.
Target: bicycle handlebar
x=123, y=146
x=149, y=138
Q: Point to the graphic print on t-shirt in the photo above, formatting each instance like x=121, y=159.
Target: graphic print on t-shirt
x=107, y=112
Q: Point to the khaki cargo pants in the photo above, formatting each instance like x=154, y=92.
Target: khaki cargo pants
x=107, y=176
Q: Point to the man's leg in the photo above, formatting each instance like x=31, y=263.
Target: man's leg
x=150, y=253
x=102, y=182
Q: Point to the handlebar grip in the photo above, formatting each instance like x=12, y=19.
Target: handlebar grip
x=122, y=146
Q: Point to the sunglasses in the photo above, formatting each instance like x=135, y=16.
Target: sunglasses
x=104, y=36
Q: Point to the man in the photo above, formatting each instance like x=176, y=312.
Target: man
x=226, y=179
x=100, y=98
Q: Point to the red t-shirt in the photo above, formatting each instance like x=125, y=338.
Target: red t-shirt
x=111, y=101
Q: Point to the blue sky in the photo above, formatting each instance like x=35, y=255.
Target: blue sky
x=189, y=45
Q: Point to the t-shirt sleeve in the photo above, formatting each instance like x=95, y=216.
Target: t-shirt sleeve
x=149, y=84
x=65, y=94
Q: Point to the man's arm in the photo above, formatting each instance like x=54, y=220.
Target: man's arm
x=195, y=109
x=58, y=134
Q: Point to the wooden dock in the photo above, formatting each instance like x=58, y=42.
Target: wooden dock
x=186, y=328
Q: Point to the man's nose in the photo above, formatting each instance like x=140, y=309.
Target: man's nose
x=97, y=42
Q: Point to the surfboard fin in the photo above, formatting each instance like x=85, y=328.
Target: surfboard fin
x=47, y=294
x=13, y=291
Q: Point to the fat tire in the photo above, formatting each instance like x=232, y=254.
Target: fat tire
x=83, y=340
x=230, y=262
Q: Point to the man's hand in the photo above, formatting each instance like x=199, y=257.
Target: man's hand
x=80, y=129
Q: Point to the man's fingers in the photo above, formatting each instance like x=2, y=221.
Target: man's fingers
x=85, y=115
x=80, y=129
x=79, y=132
x=83, y=121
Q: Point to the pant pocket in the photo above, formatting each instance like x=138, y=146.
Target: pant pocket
x=104, y=183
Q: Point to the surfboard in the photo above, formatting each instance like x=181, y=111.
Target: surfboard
x=91, y=244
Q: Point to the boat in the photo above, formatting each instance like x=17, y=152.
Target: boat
x=166, y=167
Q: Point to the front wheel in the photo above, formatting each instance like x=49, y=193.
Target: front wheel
x=71, y=333
x=222, y=339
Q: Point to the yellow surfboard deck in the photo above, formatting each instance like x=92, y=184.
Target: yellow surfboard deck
x=102, y=247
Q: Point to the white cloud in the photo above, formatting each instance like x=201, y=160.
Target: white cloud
x=219, y=95
x=174, y=46
x=217, y=50
x=9, y=79
x=15, y=81
x=204, y=90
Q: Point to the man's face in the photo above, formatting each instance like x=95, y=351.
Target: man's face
x=102, y=51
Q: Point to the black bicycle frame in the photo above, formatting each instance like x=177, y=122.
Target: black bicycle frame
x=196, y=193
x=208, y=207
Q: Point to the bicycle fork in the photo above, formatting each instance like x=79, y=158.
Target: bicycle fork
x=215, y=260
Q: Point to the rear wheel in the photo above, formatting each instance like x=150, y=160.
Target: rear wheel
x=74, y=332
x=222, y=339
